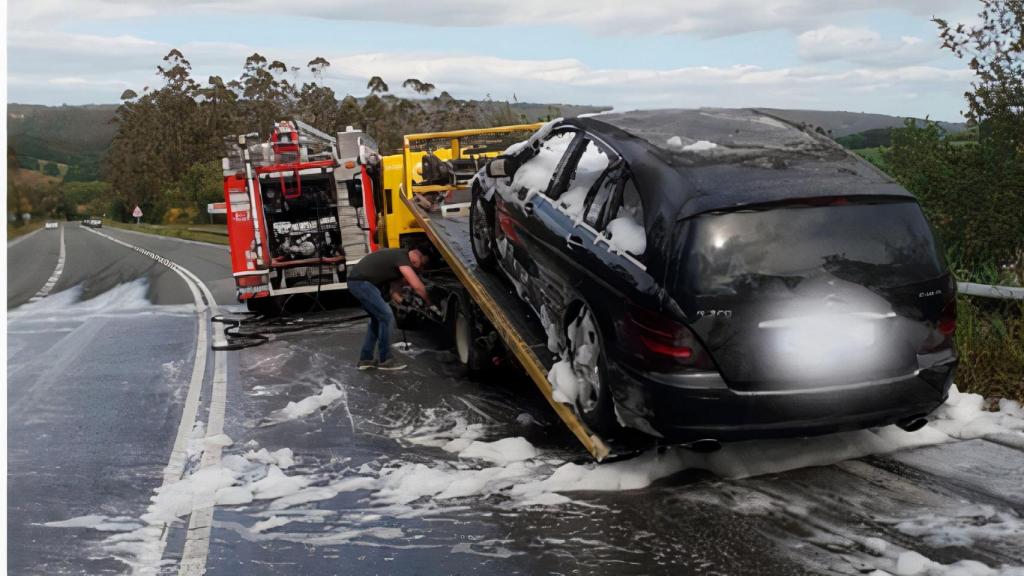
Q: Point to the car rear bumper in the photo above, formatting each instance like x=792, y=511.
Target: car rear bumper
x=696, y=406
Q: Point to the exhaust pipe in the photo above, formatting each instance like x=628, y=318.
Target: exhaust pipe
x=913, y=424
x=704, y=445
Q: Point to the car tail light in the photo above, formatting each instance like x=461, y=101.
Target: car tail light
x=947, y=320
x=660, y=343
x=945, y=327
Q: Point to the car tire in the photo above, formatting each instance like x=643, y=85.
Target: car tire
x=481, y=231
x=593, y=399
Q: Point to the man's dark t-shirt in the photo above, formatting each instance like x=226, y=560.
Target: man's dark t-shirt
x=380, y=267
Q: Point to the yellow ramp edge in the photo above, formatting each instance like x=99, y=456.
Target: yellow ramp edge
x=591, y=441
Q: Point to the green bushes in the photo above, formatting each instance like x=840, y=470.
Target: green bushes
x=990, y=339
x=973, y=194
x=974, y=197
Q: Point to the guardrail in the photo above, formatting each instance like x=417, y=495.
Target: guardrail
x=989, y=291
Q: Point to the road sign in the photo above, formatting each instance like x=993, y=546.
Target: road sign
x=137, y=213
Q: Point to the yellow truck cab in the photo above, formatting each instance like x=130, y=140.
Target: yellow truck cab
x=435, y=170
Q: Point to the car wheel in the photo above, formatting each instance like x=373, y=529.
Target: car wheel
x=481, y=231
x=587, y=358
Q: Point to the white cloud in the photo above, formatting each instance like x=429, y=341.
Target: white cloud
x=863, y=46
x=704, y=18
x=567, y=80
x=79, y=81
x=843, y=68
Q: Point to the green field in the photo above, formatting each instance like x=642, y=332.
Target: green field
x=873, y=155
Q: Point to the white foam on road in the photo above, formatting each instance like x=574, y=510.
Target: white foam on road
x=516, y=474
x=282, y=458
x=129, y=298
x=98, y=522
x=309, y=405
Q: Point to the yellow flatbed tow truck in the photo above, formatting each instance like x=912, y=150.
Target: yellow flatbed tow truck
x=426, y=210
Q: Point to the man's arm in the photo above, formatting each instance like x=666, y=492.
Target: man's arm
x=414, y=282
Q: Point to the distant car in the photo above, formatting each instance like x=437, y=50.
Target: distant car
x=721, y=274
x=51, y=225
x=93, y=222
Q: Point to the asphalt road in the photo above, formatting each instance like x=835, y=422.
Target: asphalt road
x=98, y=378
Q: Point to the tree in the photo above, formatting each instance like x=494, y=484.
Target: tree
x=317, y=66
x=349, y=113
x=418, y=86
x=376, y=85
x=51, y=169
x=995, y=47
x=974, y=193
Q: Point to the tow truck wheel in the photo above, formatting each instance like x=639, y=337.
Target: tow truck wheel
x=481, y=231
x=464, y=335
x=586, y=355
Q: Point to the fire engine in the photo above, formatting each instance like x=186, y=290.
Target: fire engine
x=300, y=210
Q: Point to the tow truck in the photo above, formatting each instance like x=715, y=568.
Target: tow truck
x=426, y=193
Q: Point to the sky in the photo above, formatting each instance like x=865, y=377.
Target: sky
x=879, y=56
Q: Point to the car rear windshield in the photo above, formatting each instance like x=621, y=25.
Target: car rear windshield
x=879, y=245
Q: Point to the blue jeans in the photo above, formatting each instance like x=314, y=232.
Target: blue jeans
x=379, y=331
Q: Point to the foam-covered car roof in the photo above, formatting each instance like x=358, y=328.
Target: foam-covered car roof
x=757, y=159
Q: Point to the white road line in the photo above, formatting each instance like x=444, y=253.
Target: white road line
x=200, y=522
x=52, y=281
x=197, y=544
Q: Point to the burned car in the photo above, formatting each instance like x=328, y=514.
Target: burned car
x=720, y=274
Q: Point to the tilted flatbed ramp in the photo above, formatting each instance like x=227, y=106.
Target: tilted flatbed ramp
x=511, y=317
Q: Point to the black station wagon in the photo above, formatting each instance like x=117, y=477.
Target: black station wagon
x=720, y=274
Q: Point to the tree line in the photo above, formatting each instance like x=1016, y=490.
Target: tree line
x=165, y=154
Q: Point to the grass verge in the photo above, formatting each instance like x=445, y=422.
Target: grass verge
x=210, y=233
x=15, y=231
x=990, y=339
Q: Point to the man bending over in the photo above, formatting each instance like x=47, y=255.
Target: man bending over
x=365, y=281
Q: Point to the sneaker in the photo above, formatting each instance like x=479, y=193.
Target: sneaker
x=366, y=364
x=390, y=364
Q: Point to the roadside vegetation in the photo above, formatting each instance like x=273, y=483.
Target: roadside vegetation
x=972, y=188
x=211, y=233
x=22, y=228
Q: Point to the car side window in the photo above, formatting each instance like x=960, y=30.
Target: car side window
x=536, y=174
x=595, y=209
x=625, y=229
x=582, y=169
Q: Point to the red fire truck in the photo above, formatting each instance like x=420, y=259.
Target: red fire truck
x=300, y=210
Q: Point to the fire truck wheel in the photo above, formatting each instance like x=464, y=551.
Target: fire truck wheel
x=268, y=307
